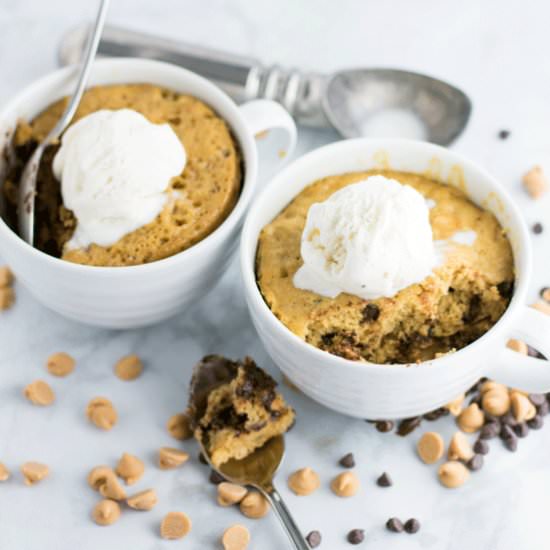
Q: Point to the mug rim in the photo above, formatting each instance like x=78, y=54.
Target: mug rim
x=242, y=135
x=249, y=244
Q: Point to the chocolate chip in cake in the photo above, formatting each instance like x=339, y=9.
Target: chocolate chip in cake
x=412, y=526
x=356, y=536
x=371, y=312
x=537, y=228
x=216, y=478
x=384, y=480
x=395, y=525
x=475, y=463
x=481, y=447
x=506, y=289
x=313, y=539
x=347, y=461
x=504, y=134
x=536, y=423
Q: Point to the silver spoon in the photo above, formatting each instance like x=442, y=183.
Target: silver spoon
x=27, y=185
x=356, y=102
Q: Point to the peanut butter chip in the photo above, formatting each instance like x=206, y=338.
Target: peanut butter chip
x=430, y=447
x=112, y=488
x=492, y=385
x=175, y=525
x=171, y=458
x=345, y=485
x=144, y=500
x=98, y=476
x=460, y=448
x=130, y=468
x=102, y=413
x=236, y=537
x=39, y=393
x=129, y=367
x=522, y=407
x=543, y=307
x=106, y=512
x=6, y=276
x=453, y=474
x=4, y=472
x=455, y=406
x=7, y=298
x=303, y=482
x=496, y=402
x=34, y=472
x=229, y=493
x=179, y=428
x=535, y=182
x=254, y=505
x=471, y=419
x=60, y=364
x=518, y=346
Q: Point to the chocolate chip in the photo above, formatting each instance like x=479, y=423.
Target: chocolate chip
x=504, y=134
x=537, y=228
x=489, y=430
x=384, y=426
x=506, y=432
x=532, y=352
x=384, y=480
x=508, y=419
x=536, y=423
x=371, y=312
x=435, y=415
x=313, y=539
x=543, y=409
x=394, y=525
x=481, y=447
x=216, y=478
x=511, y=443
x=521, y=429
x=356, y=536
x=347, y=461
x=506, y=289
x=475, y=463
x=408, y=425
x=202, y=460
x=412, y=526
x=537, y=399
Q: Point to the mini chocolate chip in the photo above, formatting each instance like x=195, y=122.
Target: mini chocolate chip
x=532, y=352
x=216, y=478
x=511, y=443
x=408, y=425
x=356, y=536
x=489, y=430
x=313, y=539
x=437, y=414
x=395, y=525
x=521, y=429
x=347, y=461
x=543, y=409
x=508, y=419
x=384, y=426
x=384, y=480
x=506, y=432
x=371, y=312
x=202, y=460
x=506, y=289
x=412, y=526
x=475, y=463
x=481, y=447
x=536, y=423
x=504, y=134
x=537, y=399
x=537, y=228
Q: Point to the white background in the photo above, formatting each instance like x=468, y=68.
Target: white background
x=497, y=51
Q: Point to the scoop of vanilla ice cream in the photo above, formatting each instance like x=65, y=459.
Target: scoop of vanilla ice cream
x=371, y=239
x=114, y=168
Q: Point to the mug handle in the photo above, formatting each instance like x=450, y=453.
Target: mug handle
x=263, y=115
x=523, y=372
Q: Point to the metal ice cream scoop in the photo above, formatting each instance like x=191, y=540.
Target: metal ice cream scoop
x=357, y=102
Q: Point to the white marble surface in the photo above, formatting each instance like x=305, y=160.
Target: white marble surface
x=495, y=50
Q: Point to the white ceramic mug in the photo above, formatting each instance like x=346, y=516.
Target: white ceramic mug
x=125, y=297
x=373, y=391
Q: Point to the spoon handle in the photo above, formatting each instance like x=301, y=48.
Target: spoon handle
x=286, y=519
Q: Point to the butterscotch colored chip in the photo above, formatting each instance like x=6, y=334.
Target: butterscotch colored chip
x=460, y=448
x=453, y=474
x=535, y=182
x=144, y=500
x=179, y=428
x=496, y=402
x=7, y=298
x=106, y=512
x=471, y=419
x=130, y=468
x=345, y=484
x=112, y=488
x=175, y=525
x=129, y=367
x=33, y=472
x=455, y=406
x=60, y=364
x=430, y=447
x=98, y=476
x=229, y=493
x=522, y=407
x=490, y=385
x=254, y=505
x=102, y=413
x=518, y=345
x=543, y=307
x=236, y=537
x=171, y=458
x=4, y=472
x=39, y=393
x=6, y=276
x=303, y=482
